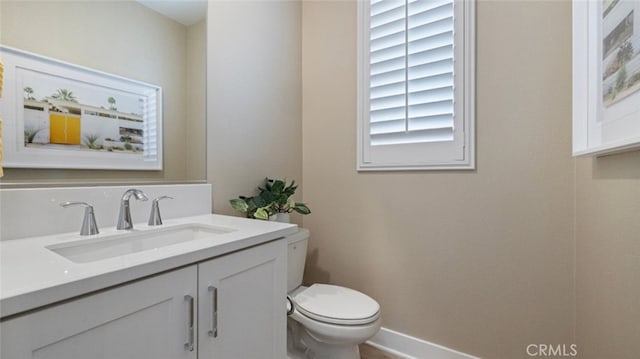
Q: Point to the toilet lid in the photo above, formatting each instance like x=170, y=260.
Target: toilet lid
x=337, y=305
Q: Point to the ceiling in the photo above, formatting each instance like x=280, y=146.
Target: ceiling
x=186, y=12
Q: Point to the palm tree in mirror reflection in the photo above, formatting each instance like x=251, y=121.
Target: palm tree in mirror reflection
x=64, y=94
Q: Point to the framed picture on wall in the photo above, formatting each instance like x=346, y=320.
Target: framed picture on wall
x=606, y=76
x=60, y=115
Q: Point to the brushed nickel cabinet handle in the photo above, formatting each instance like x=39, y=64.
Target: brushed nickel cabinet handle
x=213, y=332
x=190, y=318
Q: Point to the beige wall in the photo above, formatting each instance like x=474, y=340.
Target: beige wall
x=479, y=261
x=253, y=96
x=608, y=256
x=119, y=37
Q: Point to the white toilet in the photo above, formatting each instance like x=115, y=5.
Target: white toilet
x=325, y=321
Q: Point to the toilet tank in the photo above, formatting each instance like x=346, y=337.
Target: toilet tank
x=296, y=257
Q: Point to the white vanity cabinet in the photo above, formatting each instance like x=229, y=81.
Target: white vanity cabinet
x=143, y=319
x=242, y=304
x=231, y=306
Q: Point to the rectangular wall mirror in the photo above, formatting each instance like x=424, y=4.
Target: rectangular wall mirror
x=163, y=46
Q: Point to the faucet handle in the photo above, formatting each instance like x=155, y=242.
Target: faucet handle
x=89, y=225
x=154, y=217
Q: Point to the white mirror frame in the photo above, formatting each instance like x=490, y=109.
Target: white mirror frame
x=604, y=124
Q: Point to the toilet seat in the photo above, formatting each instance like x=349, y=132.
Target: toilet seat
x=336, y=305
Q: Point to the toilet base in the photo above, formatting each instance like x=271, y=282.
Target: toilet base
x=323, y=351
x=300, y=345
x=351, y=352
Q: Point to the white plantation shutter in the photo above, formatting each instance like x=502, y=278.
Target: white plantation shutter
x=412, y=85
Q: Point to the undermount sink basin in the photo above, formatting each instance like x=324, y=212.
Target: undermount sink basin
x=94, y=249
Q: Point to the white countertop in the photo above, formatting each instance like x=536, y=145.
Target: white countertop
x=32, y=275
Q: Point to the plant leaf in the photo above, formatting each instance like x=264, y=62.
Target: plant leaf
x=291, y=203
x=278, y=186
x=261, y=200
x=261, y=213
x=239, y=205
x=301, y=208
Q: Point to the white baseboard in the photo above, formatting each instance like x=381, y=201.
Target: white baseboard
x=408, y=347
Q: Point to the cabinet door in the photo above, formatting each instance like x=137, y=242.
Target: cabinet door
x=144, y=319
x=242, y=304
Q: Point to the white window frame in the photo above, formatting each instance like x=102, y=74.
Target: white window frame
x=425, y=156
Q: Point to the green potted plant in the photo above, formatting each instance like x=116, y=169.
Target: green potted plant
x=273, y=202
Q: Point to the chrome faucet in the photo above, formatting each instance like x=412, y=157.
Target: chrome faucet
x=124, y=218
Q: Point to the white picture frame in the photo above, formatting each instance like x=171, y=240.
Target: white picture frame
x=606, y=76
x=61, y=115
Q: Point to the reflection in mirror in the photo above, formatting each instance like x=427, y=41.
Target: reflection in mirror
x=128, y=39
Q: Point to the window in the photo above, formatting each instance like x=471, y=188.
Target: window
x=416, y=84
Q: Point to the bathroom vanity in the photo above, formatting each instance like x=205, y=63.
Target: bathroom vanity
x=211, y=286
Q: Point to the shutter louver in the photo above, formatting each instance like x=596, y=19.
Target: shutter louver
x=149, y=109
x=411, y=85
